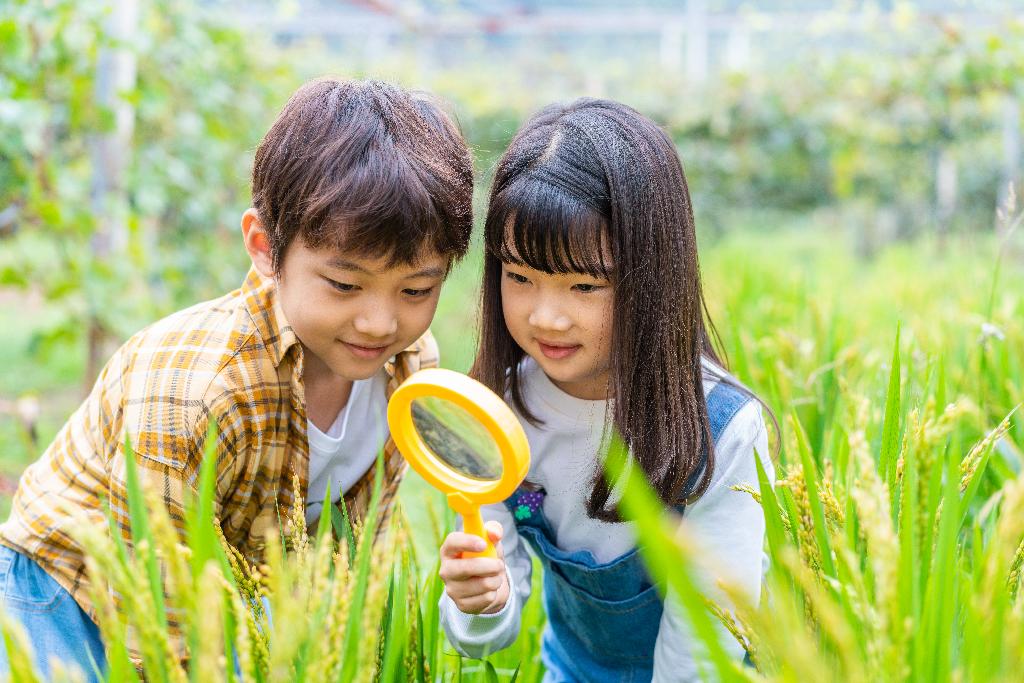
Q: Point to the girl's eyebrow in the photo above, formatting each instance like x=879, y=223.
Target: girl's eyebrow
x=572, y=274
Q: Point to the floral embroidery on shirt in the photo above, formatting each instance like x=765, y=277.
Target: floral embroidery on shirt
x=527, y=503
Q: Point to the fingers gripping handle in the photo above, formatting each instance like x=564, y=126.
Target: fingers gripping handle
x=473, y=523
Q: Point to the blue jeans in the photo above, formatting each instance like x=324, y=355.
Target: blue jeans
x=54, y=623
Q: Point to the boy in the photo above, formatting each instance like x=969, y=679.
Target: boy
x=361, y=204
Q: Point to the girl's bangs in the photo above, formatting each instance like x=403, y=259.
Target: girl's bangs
x=538, y=225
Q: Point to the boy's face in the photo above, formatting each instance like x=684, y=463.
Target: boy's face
x=351, y=313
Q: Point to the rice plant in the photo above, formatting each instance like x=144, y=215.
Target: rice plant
x=192, y=608
x=894, y=528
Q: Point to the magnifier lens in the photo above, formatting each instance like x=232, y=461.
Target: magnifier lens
x=456, y=438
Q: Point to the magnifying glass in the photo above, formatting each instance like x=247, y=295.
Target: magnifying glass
x=463, y=439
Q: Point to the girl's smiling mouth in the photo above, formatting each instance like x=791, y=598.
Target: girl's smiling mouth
x=557, y=351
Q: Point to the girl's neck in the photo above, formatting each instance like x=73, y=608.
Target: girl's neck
x=555, y=407
x=591, y=389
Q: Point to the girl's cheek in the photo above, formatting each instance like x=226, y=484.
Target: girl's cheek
x=508, y=309
x=518, y=318
x=602, y=315
x=513, y=304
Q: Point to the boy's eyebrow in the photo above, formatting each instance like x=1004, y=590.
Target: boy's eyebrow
x=338, y=262
x=427, y=272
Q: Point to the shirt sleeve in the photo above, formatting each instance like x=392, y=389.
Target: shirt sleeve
x=478, y=635
x=728, y=528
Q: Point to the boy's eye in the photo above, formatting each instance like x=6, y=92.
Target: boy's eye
x=418, y=292
x=587, y=288
x=516, y=277
x=341, y=286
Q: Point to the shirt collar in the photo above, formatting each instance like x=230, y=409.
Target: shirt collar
x=264, y=306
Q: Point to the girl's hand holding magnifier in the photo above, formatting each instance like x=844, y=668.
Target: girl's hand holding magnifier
x=477, y=585
x=462, y=438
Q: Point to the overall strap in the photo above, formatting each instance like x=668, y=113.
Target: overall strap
x=723, y=402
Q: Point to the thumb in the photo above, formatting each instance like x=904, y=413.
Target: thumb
x=494, y=530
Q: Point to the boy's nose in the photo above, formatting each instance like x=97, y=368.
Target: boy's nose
x=377, y=322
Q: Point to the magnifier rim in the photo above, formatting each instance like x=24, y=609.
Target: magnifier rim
x=483, y=405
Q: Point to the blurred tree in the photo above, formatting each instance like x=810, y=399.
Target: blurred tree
x=119, y=194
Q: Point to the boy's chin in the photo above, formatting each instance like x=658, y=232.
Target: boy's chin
x=345, y=365
x=355, y=371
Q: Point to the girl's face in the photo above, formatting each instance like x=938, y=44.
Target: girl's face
x=564, y=322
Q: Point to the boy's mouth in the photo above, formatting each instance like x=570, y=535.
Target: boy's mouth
x=557, y=351
x=366, y=352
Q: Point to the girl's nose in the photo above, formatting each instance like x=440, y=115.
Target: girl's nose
x=546, y=316
x=376, y=321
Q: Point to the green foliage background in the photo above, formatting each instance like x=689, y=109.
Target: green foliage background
x=814, y=182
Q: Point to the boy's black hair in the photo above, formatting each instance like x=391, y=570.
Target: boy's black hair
x=364, y=166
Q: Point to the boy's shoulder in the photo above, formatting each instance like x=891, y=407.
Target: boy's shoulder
x=217, y=357
x=202, y=341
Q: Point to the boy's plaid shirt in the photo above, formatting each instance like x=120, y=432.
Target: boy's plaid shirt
x=234, y=360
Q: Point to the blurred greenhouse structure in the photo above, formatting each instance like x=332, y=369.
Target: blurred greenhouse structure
x=697, y=37
x=936, y=67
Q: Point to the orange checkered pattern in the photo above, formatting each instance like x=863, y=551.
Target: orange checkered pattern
x=234, y=361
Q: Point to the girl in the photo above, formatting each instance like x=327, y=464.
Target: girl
x=592, y=319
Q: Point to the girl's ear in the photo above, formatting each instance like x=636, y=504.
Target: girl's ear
x=257, y=243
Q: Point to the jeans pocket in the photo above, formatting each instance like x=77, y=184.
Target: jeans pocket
x=28, y=588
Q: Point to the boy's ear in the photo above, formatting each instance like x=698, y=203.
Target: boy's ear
x=257, y=243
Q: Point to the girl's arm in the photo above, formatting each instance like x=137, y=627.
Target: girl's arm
x=477, y=635
x=728, y=527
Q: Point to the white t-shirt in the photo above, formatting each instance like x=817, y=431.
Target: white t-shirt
x=350, y=447
x=728, y=525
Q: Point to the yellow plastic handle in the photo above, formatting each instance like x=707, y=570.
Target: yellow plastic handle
x=473, y=523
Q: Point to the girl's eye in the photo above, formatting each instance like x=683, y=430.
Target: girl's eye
x=587, y=288
x=418, y=292
x=516, y=277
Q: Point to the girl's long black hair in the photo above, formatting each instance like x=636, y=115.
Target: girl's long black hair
x=581, y=183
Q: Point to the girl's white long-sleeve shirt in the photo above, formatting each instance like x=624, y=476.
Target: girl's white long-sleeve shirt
x=727, y=525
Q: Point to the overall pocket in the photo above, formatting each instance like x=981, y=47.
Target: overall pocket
x=603, y=617
x=617, y=579
x=612, y=632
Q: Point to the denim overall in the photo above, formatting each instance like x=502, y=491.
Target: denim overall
x=603, y=618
